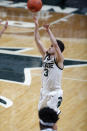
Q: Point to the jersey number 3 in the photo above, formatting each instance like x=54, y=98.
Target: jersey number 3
x=59, y=101
x=45, y=72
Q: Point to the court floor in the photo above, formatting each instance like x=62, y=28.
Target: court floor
x=20, y=69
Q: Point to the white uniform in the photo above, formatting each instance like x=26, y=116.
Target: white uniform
x=49, y=129
x=51, y=92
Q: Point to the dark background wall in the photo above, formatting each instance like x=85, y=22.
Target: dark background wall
x=77, y=3
x=68, y=3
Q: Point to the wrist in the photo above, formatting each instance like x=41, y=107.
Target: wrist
x=48, y=30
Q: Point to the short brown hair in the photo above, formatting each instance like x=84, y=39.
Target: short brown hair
x=61, y=45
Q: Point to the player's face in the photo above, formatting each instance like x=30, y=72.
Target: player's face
x=51, y=50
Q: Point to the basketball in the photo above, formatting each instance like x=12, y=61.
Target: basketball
x=34, y=5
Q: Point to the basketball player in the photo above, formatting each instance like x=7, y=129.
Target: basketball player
x=4, y=28
x=48, y=118
x=51, y=92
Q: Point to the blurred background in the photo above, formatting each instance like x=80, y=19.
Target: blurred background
x=20, y=79
x=69, y=3
x=80, y=5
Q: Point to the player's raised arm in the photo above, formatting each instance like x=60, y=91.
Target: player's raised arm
x=4, y=28
x=37, y=38
x=55, y=43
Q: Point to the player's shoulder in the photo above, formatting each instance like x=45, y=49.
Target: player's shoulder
x=59, y=64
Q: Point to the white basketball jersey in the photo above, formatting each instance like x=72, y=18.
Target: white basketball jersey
x=51, y=92
x=51, y=74
x=49, y=129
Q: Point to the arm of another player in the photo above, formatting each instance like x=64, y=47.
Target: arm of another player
x=4, y=28
x=54, y=42
x=37, y=38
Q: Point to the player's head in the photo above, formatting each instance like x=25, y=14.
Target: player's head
x=61, y=45
x=48, y=118
x=51, y=50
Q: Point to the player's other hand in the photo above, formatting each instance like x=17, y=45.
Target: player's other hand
x=46, y=26
x=36, y=21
